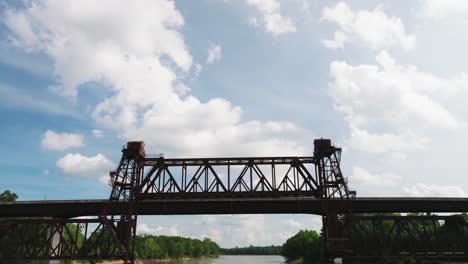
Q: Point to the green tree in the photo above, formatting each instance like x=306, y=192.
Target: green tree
x=189, y=248
x=179, y=248
x=211, y=247
x=198, y=249
x=306, y=244
x=8, y=196
x=161, y=247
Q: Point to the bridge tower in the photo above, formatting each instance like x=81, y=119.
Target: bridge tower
x=125, y=182
x=333, y=186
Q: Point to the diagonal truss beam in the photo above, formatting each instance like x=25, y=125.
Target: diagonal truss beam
x=229, y=177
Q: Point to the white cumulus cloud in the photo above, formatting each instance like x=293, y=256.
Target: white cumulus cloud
x=443, y=8
x=97, y=133
x=60, y=141
x=292, y=223
x=391, y=107
x=271, y=18
x=363, y=176
x=337, y=42
x=433, y=190
x=158, y=230
x=397, y=143
x=136, y=48
x=373, y=28
x=77, y=165
x=90, y=41
x=214, y=54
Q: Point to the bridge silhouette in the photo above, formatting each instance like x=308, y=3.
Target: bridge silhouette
x=153, y=185
x=190, y=206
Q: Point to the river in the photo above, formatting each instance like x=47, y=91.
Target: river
x=235, y=260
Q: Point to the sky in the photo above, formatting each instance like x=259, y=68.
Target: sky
x=385, y=80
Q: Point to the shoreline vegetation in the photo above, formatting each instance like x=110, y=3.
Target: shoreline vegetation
x=252, y=250
x=173, y=247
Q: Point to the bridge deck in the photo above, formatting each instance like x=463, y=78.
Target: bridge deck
x=285, y=205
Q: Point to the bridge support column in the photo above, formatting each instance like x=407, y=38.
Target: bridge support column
x=337, y=245
x=330, y=230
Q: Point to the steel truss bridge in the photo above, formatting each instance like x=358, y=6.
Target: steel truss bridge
x=151, y=185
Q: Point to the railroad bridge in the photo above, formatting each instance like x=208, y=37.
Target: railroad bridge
x=146, y=184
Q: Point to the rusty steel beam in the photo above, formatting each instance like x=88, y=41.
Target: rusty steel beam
x=246, y=205
x=155, y=160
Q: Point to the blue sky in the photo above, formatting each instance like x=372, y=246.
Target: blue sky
x=385, y=80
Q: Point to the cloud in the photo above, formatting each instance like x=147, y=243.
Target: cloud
x=206, y=220
x=91, y=35
x=363, y=176
x=140, y=56
x=271, y=19
x=438, y=9
x=198, y=69
x=187, y=133
x=373, y=28
x=77, y=165
x=385, y=142
x=249, y=230
x=213, y=233
x=159, y=230
x=292, y=223
x=432, y=190
x=403, y=102
x=337, y=42
x=60, y=141
x=214, y=54
x=97, y=133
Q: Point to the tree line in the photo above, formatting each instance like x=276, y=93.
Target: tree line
x=173, y=247
x=252, y=250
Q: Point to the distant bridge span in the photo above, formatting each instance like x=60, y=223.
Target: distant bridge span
x=284, y=205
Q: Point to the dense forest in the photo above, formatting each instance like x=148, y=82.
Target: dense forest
x=164, y=247
x=252, y=250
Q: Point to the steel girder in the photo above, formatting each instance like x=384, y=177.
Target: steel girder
x=57, y=239
x=229, y=177
x=391, y=236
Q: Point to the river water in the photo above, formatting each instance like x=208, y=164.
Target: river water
x=235, y=260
